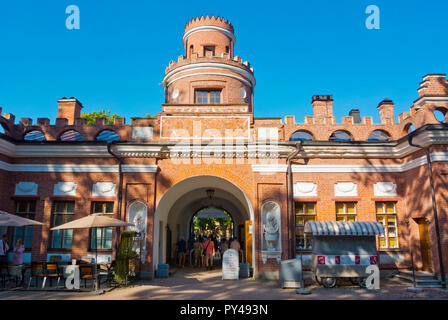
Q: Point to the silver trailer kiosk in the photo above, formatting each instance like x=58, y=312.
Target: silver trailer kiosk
x=343, y=250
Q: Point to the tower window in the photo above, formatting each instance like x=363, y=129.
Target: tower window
x=208, y=96
x=208, y=50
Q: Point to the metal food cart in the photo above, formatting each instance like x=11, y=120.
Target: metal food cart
x=343, y=250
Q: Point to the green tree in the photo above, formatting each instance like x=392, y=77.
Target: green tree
x=92, y=116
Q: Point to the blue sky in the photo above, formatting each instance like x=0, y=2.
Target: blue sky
x=298, y=48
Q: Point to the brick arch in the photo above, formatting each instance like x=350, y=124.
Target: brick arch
x=381, y=130
x=406, y=128
x=211, y=170
x=342, y=130
x=98, y=132
x=61, y=133
x=32, y=130
x=302, y=130
x=188, y=181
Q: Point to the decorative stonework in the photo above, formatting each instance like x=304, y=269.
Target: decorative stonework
x=142, y=133
x=385, y=189
x=138, y=215
x=26, y=189
x=271, y=246
x=65, y=189
x=345, y=189
x=103, y=189
x=305, y=189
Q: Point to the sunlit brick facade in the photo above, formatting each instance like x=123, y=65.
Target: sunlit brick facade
x=206, y=137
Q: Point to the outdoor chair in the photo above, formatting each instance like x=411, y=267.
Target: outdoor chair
x=4, y=274
x=37, y=271
x=52, y=270
x=105, y=271
x=15, y=271
x=87, y=272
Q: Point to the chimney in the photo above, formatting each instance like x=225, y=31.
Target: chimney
x=322, y=106
x=386, y=109
x=356, y=115
x=69, y=109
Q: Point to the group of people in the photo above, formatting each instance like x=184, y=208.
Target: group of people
x=18, y=250
x=204, y=250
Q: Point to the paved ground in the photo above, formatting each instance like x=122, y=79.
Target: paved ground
x=191, y=284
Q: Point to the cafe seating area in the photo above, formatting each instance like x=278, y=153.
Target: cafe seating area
x=52, y=274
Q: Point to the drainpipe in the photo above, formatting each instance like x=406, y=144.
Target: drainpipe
x=434, y=205
x=290, y=199
x=120, y=187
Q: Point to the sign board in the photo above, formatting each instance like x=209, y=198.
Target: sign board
x=230, y=265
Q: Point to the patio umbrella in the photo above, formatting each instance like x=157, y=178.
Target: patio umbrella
x=96, y=220
x=11, y=220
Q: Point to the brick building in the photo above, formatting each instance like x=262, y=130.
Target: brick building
x=206, y=149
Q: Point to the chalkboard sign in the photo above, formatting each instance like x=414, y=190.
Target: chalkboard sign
x=230, y=265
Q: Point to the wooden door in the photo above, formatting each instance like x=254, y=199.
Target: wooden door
x=425, y=245
x=248, y=242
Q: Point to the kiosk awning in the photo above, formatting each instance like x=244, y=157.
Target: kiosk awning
x=339, y=228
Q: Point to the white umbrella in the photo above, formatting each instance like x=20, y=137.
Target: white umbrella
x=96, y=220
x=11, y=220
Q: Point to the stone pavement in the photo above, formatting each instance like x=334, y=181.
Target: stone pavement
x=192, y=284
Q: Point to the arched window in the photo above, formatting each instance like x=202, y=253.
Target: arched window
x=70, y=135
x=108, y=136
x=191, y=50
x=409, y=128
x=340, y=135
x=301, y=136
x=34, y=135
x=441, y=115
x=379, y=135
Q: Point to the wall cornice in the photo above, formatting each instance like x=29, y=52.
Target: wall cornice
x=218, y=149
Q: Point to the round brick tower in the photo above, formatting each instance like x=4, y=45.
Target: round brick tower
x=209, y=73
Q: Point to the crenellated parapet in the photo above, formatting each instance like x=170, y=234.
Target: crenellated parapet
x=323, y=125
x=208, y=21
x=177, y=122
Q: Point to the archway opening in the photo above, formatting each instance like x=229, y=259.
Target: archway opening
x=181, y=203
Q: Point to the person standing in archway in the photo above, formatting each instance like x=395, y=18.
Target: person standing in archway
x=209, y=248
x=224, y=246
x=181, y=251
x=197, y=246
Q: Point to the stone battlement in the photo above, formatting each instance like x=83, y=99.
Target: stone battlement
x=208, y=21
x=321, y=125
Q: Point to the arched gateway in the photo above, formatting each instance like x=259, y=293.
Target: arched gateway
x=182, y=201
